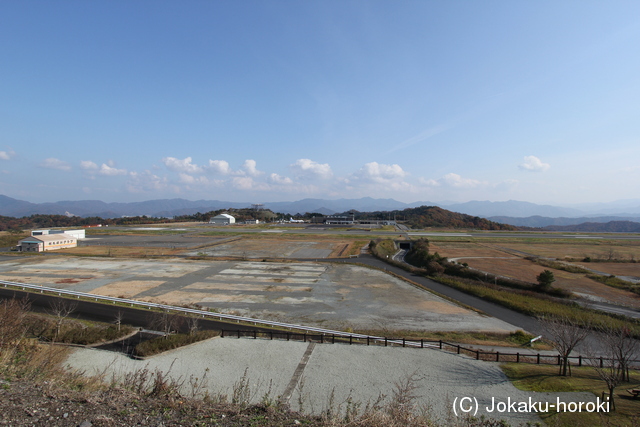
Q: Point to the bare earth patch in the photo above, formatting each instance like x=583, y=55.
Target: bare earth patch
x=126, y=289
x=526, y=270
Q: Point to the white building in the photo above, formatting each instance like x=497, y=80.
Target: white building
x=47, y=242
x=78, y=234
x=222, y=219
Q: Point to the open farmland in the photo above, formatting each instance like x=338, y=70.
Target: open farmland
x=507, y=258
x=336, y=296
x=593, y=247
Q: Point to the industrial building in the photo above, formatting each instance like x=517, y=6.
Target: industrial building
x=47, y=242
x=222, y=219
x=78, y=234
x=334, y=219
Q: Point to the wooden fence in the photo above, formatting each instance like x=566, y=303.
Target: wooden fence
x=490, y=356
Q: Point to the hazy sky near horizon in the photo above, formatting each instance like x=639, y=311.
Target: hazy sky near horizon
x=264, y=101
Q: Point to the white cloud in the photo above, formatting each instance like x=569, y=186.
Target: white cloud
x=243, y=182
x=183, y=165
x=88, y=165
x=111, y=171
x=53, y=163
x=140, y=182
x=281, y=180
x=7, y=155
x=429, y=182
x=220, y=167
x=250, y=168
x=309, y=168
x=455, y=180
x=381, y=173
x=189, y=179
x=452, y=180
x=534, y=164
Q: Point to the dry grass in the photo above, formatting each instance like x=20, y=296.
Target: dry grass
x=31, y=371
x=541, y=378
x=579, y=249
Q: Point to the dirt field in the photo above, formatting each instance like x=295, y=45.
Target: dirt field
x=507, y=259
x=594, y=248
x=577, y=283
x=336, y=296
x=616, y=268
x=279, y=248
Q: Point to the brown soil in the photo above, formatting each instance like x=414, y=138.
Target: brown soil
x=615, y=268
x=596, y=249
x=464, y=249
x=126, y=289
x=526, y=270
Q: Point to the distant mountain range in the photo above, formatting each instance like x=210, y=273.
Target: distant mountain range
x=510, y=212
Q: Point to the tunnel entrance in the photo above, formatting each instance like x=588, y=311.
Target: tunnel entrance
x=403, y=244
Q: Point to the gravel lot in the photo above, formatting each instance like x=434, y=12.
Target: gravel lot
x=357, y=372
x=333, y=296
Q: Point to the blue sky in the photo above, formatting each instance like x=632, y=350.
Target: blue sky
x=264, y=101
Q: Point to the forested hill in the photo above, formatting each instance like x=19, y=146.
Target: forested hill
x=433, y=216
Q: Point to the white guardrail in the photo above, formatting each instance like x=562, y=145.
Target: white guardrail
x=202, y=313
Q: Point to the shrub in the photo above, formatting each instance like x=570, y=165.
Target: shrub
x=545, y=279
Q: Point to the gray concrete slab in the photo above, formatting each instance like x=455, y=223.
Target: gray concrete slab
x=357, y=373
x=334, y=296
